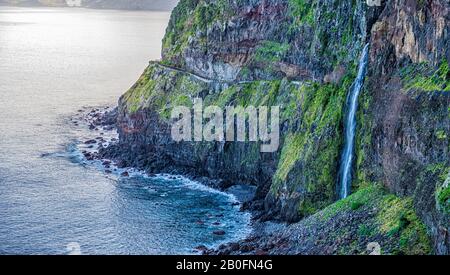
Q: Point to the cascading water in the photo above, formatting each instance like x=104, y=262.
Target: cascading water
x=345, y=173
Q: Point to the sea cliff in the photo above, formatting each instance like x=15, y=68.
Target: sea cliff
x=303, y=56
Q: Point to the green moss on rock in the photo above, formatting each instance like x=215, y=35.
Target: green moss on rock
x=302, y=11
x=310, y=154
x=442, y=173
x=397, y=219
x=189, y=18
x=389, y=219
x=271, y=51
x=363, y=144
x=290, y=154
x=424, y=77
x=443, y=199
x=361, y=198
x=161, y=90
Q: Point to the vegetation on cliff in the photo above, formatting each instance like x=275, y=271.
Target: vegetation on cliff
x=370, y=220
x=312, y=147
x=425, y=78
x=393, y=221
x=301, y=55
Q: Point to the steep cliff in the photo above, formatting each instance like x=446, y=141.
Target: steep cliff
x=302, y=55
x=405, y=126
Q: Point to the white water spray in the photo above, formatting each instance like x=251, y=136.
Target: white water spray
x=345, y=173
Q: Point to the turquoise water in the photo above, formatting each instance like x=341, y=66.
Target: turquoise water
x=52, y=63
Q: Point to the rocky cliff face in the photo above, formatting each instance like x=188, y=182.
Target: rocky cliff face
x=263, y=40
x=405, y=126
x=302, y=55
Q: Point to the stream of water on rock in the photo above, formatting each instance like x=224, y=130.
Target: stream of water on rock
x=345, y=174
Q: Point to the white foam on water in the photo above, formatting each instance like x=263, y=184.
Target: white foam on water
x=75, y=151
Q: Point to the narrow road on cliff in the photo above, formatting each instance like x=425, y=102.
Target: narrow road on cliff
x=209, y=80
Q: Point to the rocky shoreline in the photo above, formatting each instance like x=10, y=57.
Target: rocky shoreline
x=302, y=56
x=102, y=122
x=347, y=227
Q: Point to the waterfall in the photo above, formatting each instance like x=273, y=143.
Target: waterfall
x=345, y=173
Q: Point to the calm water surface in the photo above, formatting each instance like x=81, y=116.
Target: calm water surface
x=52, y=63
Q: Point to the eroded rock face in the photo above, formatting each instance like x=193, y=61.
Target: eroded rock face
x=406, y=153
x=301, y=55
x=415, y=31
x=268, y=39
x=406, y=119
